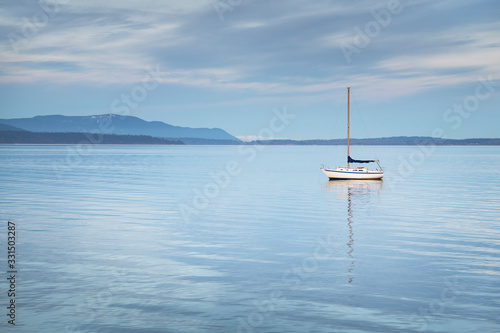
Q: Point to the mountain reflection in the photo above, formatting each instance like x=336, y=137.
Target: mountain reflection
x=358, y=193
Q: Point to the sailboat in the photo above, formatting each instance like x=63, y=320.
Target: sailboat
x=356, y=172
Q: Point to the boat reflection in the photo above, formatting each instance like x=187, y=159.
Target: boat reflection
x=359, y=193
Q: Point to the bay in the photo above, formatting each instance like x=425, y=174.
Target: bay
x=251, y=239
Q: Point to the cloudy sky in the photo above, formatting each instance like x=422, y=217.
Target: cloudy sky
x=414, y=66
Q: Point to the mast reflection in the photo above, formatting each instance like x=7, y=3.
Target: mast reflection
x=358, y=196
x=351, y=233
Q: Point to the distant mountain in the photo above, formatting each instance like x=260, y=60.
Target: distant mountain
x=116, y=124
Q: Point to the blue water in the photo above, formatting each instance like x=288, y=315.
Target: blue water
x=251, y=239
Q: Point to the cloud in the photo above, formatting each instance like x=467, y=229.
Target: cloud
x=105, y=47
x=471, y=46
x=265, y=48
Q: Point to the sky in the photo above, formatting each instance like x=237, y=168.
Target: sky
x=415, y=68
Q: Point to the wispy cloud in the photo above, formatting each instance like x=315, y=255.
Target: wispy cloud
x=468, y=47
x=113, y=43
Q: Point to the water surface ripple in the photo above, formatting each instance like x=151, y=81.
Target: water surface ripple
x=156, y=239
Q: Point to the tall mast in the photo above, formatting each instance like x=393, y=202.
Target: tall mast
x=348, y=101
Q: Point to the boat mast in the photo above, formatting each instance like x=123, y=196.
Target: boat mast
x=348, y=97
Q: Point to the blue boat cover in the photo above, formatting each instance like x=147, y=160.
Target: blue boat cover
x=350, y=160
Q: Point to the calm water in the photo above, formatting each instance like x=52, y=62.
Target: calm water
x=212, y=239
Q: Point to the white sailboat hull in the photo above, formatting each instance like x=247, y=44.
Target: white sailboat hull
x=353, y=173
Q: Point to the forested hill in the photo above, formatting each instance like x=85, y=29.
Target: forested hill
x=21, y=136
x=389, y=141
x=84, y=138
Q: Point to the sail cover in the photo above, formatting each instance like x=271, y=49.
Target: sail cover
x=350, y=160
